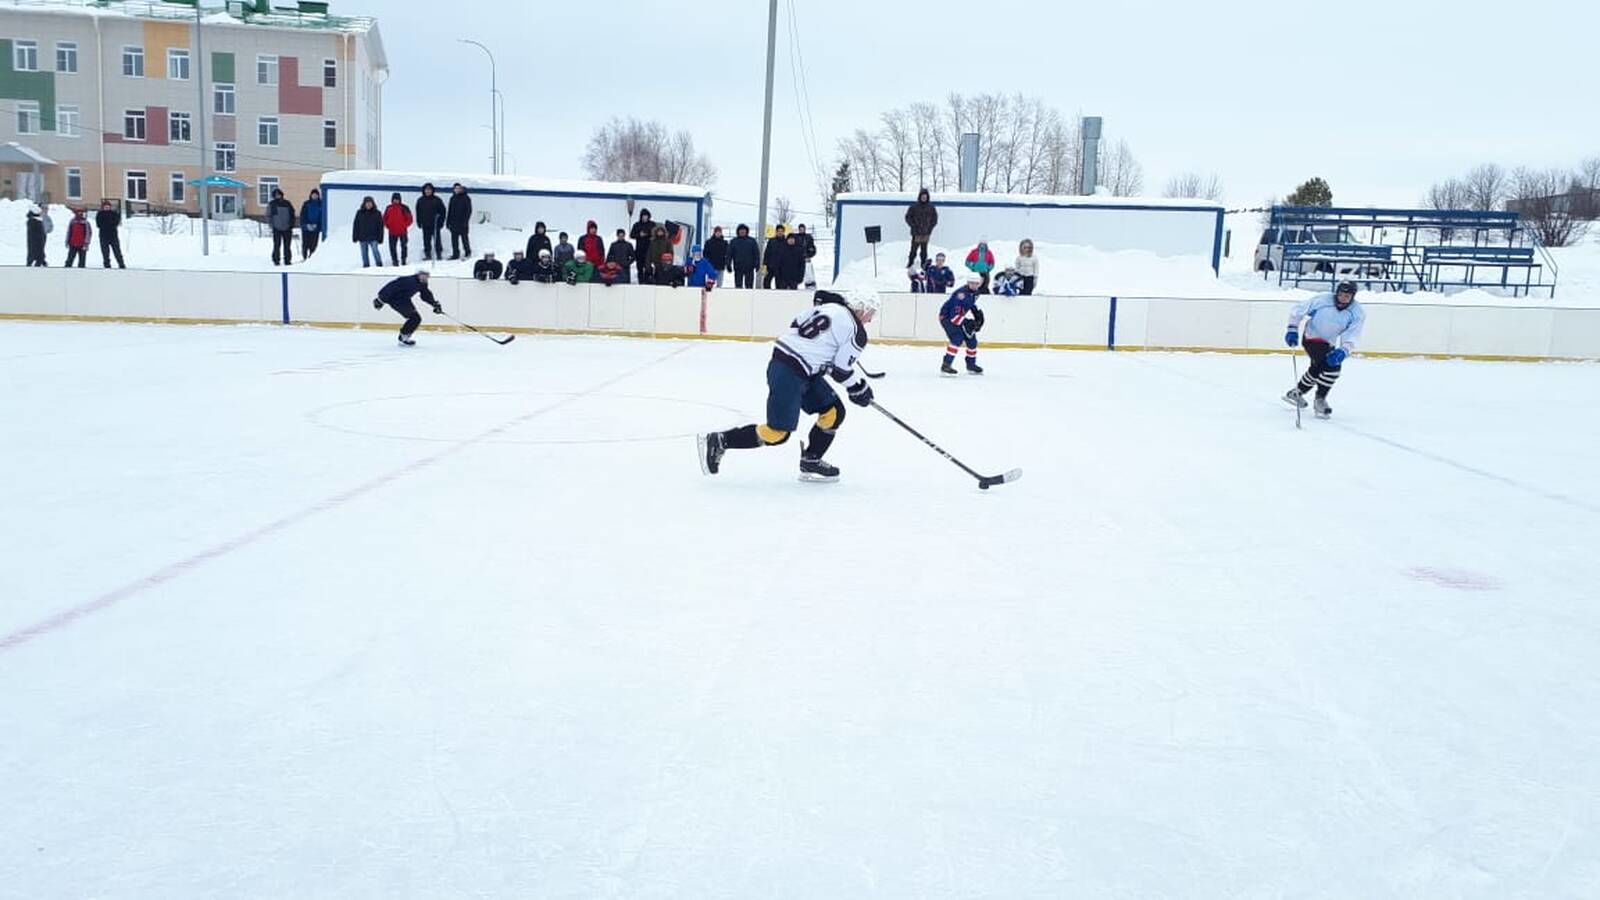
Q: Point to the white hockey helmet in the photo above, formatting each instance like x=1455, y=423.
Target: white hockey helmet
x=974, y=278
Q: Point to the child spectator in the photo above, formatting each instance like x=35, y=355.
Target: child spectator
x=545, y=271
x=666, y=273
x=621, y=253
x=1027, y=266
x=981, y=262
x=701, y=272
x=564, y=251
x=919, y=279
x=611, y=272
x=488, y=268
x=519, y=269
x=537, y=241
x=578, y=269
x=660, y=243
x=591, y=243
x=1008, y=283
x=940, y=278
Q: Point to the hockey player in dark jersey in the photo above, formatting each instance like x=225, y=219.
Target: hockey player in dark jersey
x=820, y=345
x=962, y=319
x=398, y=294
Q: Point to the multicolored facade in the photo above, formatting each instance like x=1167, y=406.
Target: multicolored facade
x=115, y=94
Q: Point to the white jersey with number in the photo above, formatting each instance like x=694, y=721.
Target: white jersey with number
x=826, y=340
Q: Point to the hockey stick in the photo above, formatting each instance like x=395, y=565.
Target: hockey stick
x=984, y=481
x=868, y=372
x=508, y=339
x=1294, y=363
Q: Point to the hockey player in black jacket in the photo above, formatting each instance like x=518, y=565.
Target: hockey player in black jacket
x=398, y=293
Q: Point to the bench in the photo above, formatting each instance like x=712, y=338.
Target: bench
x=1505, y=259
x=1368, y=260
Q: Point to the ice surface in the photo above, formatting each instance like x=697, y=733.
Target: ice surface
x=293, y=612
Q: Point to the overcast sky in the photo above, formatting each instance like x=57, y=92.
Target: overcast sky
x=1379, y=98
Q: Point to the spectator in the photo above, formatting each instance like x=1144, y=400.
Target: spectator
x=78, y=234
x=310, y=224
x=702, y=273
x=981, y=261
x=1027, y=266
x=641, y=234
x=940, y=278
x=921, y=217
x=659, y=242
x=430, y=218
x=621, y=253
x=744, y=255
x=578, y=269
x=108, y=220
x=367, y=230
x=564, y=251
x=807, y=242
x=609, y=273
x=919, y=279
x=717, y=250
x=537, y=241
x=397, y=221
x=592, y=244
x=772, y=257
x=488, y=268
x=36, y=236
x=666, y=273
x=519, y=269
x=1008, y=283
x=545, y=271
x=280, y=219
x=792, y=267
x=459, y=220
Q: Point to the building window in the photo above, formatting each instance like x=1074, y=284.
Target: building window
x=74, y=184
x=138, y=186
x=67, y=58
x=27, y=117
x=177, y=187
x=267, y=70
x=267, y=131
x=180, y=127
x=133, y=125
x=133, y=62
x=330, y=73
x=25, y=56
x=227, y=159
x=224, y=99
x=265, y=185
x=178, y=64
x=330, y=134
x=67, y=119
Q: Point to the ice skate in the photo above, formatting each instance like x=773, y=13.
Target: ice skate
x=711, y=450
x=1295, y=398
x=818, y=471
x=406, y=341
x=973, y=368
x=948, y=369
x=1321, y=407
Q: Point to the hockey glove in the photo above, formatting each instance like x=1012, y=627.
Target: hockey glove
x=861, y=394
x=970, y=326
x=1292, y=338
x=377, y=303
x=1335, y=357
x=438, y=309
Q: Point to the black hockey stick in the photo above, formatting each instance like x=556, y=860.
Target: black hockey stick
x=868, y=372
x=509, y=338
x=984, y=481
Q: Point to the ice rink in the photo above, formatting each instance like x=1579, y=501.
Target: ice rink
x=296, y=613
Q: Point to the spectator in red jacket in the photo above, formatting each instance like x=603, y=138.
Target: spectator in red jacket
x=397, y=221
x=592, y=244
x=78, y=234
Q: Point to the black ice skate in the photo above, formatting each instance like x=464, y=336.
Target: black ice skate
x=817, y=470
x=973, y=368
x=406, y=341
x=711, y=450
x=1321, y=408
x=947, y=369
x=1295, y=398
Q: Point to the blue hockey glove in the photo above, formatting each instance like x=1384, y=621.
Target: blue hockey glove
x=1335, y=358
x=861, y=394
x=1292, y=338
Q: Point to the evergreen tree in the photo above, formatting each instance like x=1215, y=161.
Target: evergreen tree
x=1312, y=193
x=840, y=185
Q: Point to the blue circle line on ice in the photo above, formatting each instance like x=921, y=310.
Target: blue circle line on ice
x=178, y=569
x=320, y=417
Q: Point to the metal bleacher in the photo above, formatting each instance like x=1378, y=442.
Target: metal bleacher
x=1437, y=250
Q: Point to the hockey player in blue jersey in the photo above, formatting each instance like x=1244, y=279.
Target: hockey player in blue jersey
x=820, y=345
x=1333, y=324
x=962, y=319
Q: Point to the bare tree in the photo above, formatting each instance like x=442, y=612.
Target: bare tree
x=1194, y=186
x=1120, y=172
x=1543, y=197
x=782, y=211
x=634, y=150
x=899, y=149
x=1447, y=194
x=1485, y=187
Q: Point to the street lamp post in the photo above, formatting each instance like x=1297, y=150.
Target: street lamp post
x=200, y=83
x=766, y=123
x=494, y=105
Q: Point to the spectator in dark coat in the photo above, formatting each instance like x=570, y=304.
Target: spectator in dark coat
x=488, y=268
x=78, y=233
x=666, y=273
x=459, y=220
x=519, y=269
x=310, y=224
x=744, y=255
x=621, y=253
x=564, y=250
x=659, y=242
x=430, y=218
x=367, y=230
x=717, y=250
x=537, y=241
x=641, y=233
x=592, y=244
x=545, y=270
x=108, y=220
x=808, y=243
x=772, y=257
x=280, y=218
x=792, y=265
x=921, y=217
x=397, y=222
x=36, y=238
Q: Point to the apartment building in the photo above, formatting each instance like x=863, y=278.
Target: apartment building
x=109, y=98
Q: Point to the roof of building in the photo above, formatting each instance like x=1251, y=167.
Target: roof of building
x=230, y=12
x=984, y=199
x=13, y=152
x=386, y=180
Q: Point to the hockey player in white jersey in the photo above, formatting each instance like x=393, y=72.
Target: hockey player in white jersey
x=820, y=345
x=1333, y=324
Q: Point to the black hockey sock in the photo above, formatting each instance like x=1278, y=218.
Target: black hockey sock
x=818, y=443
x=742, y=438
x=1307, y=381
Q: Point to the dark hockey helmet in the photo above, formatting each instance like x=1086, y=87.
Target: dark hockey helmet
x=1346, y=287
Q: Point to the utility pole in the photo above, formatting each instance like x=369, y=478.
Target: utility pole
x=494, y=107
x=766, y=124
x=200, y=112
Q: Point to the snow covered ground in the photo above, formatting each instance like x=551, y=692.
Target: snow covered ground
x=291, y=612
